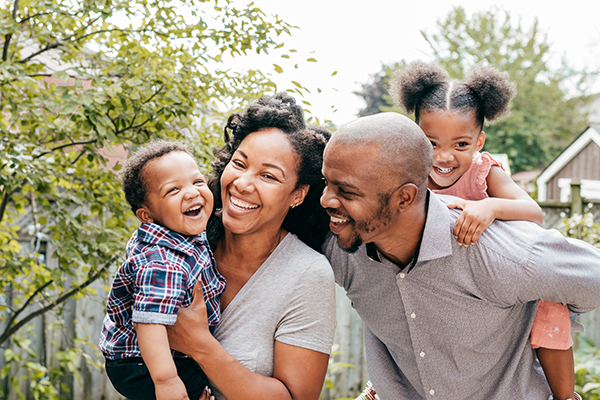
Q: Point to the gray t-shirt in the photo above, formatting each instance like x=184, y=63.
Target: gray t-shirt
x=290, y=298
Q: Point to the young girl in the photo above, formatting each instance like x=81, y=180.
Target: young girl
x=452, y=115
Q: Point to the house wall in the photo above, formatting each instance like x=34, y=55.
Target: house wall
x=586, y=165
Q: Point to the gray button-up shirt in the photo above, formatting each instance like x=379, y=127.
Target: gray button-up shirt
x=455, y=325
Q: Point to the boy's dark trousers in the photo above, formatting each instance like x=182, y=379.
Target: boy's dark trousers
x=131, y=378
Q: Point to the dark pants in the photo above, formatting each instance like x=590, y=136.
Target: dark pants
x=131, y=378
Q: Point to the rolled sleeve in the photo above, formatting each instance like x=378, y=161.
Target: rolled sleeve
x=160, y=292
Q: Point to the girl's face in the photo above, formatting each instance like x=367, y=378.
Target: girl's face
x=258, y=184
x=455, y=137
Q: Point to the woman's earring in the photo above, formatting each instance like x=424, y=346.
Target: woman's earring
x=295, y=205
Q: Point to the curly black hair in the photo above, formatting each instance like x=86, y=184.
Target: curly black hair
x=426, y=87
x=308, y=221
x=134, y=184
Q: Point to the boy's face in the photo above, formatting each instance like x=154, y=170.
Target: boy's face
x=177, y=196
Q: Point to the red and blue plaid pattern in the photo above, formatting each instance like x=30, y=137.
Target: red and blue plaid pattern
x=157, y=279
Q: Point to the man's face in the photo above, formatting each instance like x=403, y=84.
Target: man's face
x=355, y=198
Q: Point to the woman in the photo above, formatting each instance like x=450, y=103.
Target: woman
x=278, y=310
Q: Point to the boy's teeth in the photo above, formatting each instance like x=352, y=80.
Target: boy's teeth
x=193, y=208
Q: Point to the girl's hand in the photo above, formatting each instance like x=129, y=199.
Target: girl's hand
x=191, y=329
x=474, y=219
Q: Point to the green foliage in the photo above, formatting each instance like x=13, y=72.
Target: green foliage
x=581, y=227
x=587, y=370
x=132, y=70
x=375, y=92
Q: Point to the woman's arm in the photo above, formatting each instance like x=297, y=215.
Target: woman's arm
x=507, y=202
x=298, y=373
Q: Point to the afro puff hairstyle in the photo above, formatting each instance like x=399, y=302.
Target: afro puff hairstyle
x=425, y=87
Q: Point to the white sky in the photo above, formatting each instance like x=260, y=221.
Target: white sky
x=354, y=39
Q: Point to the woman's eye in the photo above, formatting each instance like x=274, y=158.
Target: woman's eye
x=270, y=177
x=237, y=163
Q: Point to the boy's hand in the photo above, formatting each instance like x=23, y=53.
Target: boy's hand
x=474, y=219
x=171, y=389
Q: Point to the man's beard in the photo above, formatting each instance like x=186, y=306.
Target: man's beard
x=381, y=219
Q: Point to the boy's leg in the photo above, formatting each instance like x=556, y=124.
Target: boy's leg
x=192, y=376
x=131, y=378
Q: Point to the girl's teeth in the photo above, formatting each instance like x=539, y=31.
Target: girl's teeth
x=444, y=170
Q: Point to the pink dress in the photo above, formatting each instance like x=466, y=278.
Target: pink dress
x=552, y=326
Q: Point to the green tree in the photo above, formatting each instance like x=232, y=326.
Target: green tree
x=137, y=69
x=544, y=118
x=375, y=92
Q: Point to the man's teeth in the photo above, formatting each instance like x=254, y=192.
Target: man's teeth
x=337, y=220
x=243, y=204
x=444, y=170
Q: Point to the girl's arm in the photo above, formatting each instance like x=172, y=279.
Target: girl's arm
x=507, y=202
x=154, y=346
x=298, y=373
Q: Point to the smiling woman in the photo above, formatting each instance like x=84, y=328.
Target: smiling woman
x=278, y=310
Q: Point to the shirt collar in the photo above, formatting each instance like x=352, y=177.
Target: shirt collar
x=435, y=241
x=152, y=233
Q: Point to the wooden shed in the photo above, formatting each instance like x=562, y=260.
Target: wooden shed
x=579, y=161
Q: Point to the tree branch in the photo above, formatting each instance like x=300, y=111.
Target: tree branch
x=8, y=36
x=65, y=145
x=10, y=330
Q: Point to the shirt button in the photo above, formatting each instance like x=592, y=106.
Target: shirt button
x=402, y=275
x=422, y=354
x=413, y=315
x=432, y=392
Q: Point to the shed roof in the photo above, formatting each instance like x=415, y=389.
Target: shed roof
x=592, y=133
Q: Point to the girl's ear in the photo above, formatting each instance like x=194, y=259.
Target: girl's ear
x=480, y=140
x=143, y=214
x=299, y=195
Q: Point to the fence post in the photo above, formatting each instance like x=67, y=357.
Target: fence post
x=576, y=200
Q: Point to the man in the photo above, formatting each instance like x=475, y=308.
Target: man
x=442, y=321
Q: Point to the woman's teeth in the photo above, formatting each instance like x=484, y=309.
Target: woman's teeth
x=242, y=204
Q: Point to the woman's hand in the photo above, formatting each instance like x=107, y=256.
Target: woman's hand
x=475, y=218
x=190, y=331
x=206, y=395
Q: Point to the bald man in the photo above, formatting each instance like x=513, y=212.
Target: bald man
x=443, y=321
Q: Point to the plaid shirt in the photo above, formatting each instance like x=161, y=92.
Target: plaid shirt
x=157, y=278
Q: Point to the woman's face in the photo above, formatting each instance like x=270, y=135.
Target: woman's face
x=258, y=184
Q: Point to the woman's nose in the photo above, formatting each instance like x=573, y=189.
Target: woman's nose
x=244, y=183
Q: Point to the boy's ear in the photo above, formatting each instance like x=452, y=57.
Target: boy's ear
x=480, y=140
x=143, y=214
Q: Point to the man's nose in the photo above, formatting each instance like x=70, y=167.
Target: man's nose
x=328, y=199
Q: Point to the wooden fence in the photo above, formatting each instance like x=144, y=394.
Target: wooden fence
x=82, y=320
